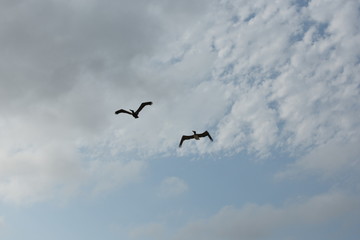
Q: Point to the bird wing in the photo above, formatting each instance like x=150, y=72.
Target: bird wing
x=184, y=137
x=204, y=134
x=142, y=106
x=122, y=111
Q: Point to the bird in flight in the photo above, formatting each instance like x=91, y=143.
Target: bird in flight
x=197, y=136
x=135, y=114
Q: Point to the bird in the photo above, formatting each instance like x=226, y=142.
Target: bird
x=197, y=136
x=135, y=114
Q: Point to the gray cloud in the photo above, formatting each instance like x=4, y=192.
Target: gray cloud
x=48, y=44
x=65, y=68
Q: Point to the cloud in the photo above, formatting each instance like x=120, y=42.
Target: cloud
x=31, y=174
x=259, y=76
x=291, y=85
x=293, y=72
x=65, y=69
x=254, y=221
x=107, y=175
x=54, y=173
x=172, y=186
x=327, y=160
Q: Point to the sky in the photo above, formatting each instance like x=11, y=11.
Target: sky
x=276, y=84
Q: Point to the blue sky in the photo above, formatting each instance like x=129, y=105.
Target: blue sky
x=275, y=83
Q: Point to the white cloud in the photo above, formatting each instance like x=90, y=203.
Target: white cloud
x=33, y=174
x=250, y=124
x=298, y=88
x=268, y=222
x=107, y=175
x=283, y=86
x=172, y=186
x=327, y=160
x=56, y=173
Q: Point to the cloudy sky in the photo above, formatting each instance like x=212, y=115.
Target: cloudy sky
x=276, y=83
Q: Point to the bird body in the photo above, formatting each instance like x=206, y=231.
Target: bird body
x=195, y=136
x=135, y=114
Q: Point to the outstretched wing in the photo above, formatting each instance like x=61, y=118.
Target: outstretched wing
x=142, y=106
x=184, y=137
x=122, y=111
x=206, y=134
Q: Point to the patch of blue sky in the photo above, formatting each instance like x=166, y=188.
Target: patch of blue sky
x=227, y=70
x=274, y=105
x=256, y=75
x=298, y=35
x=250, y=17
x=302, y=3
x=213, y=46
x=320, y=31
x=235, y=19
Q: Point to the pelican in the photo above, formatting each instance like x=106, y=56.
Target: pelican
x=135, y=114
x=197, y=136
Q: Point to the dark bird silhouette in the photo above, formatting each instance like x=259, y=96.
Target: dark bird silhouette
x=135, y=114
x=197, y=136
